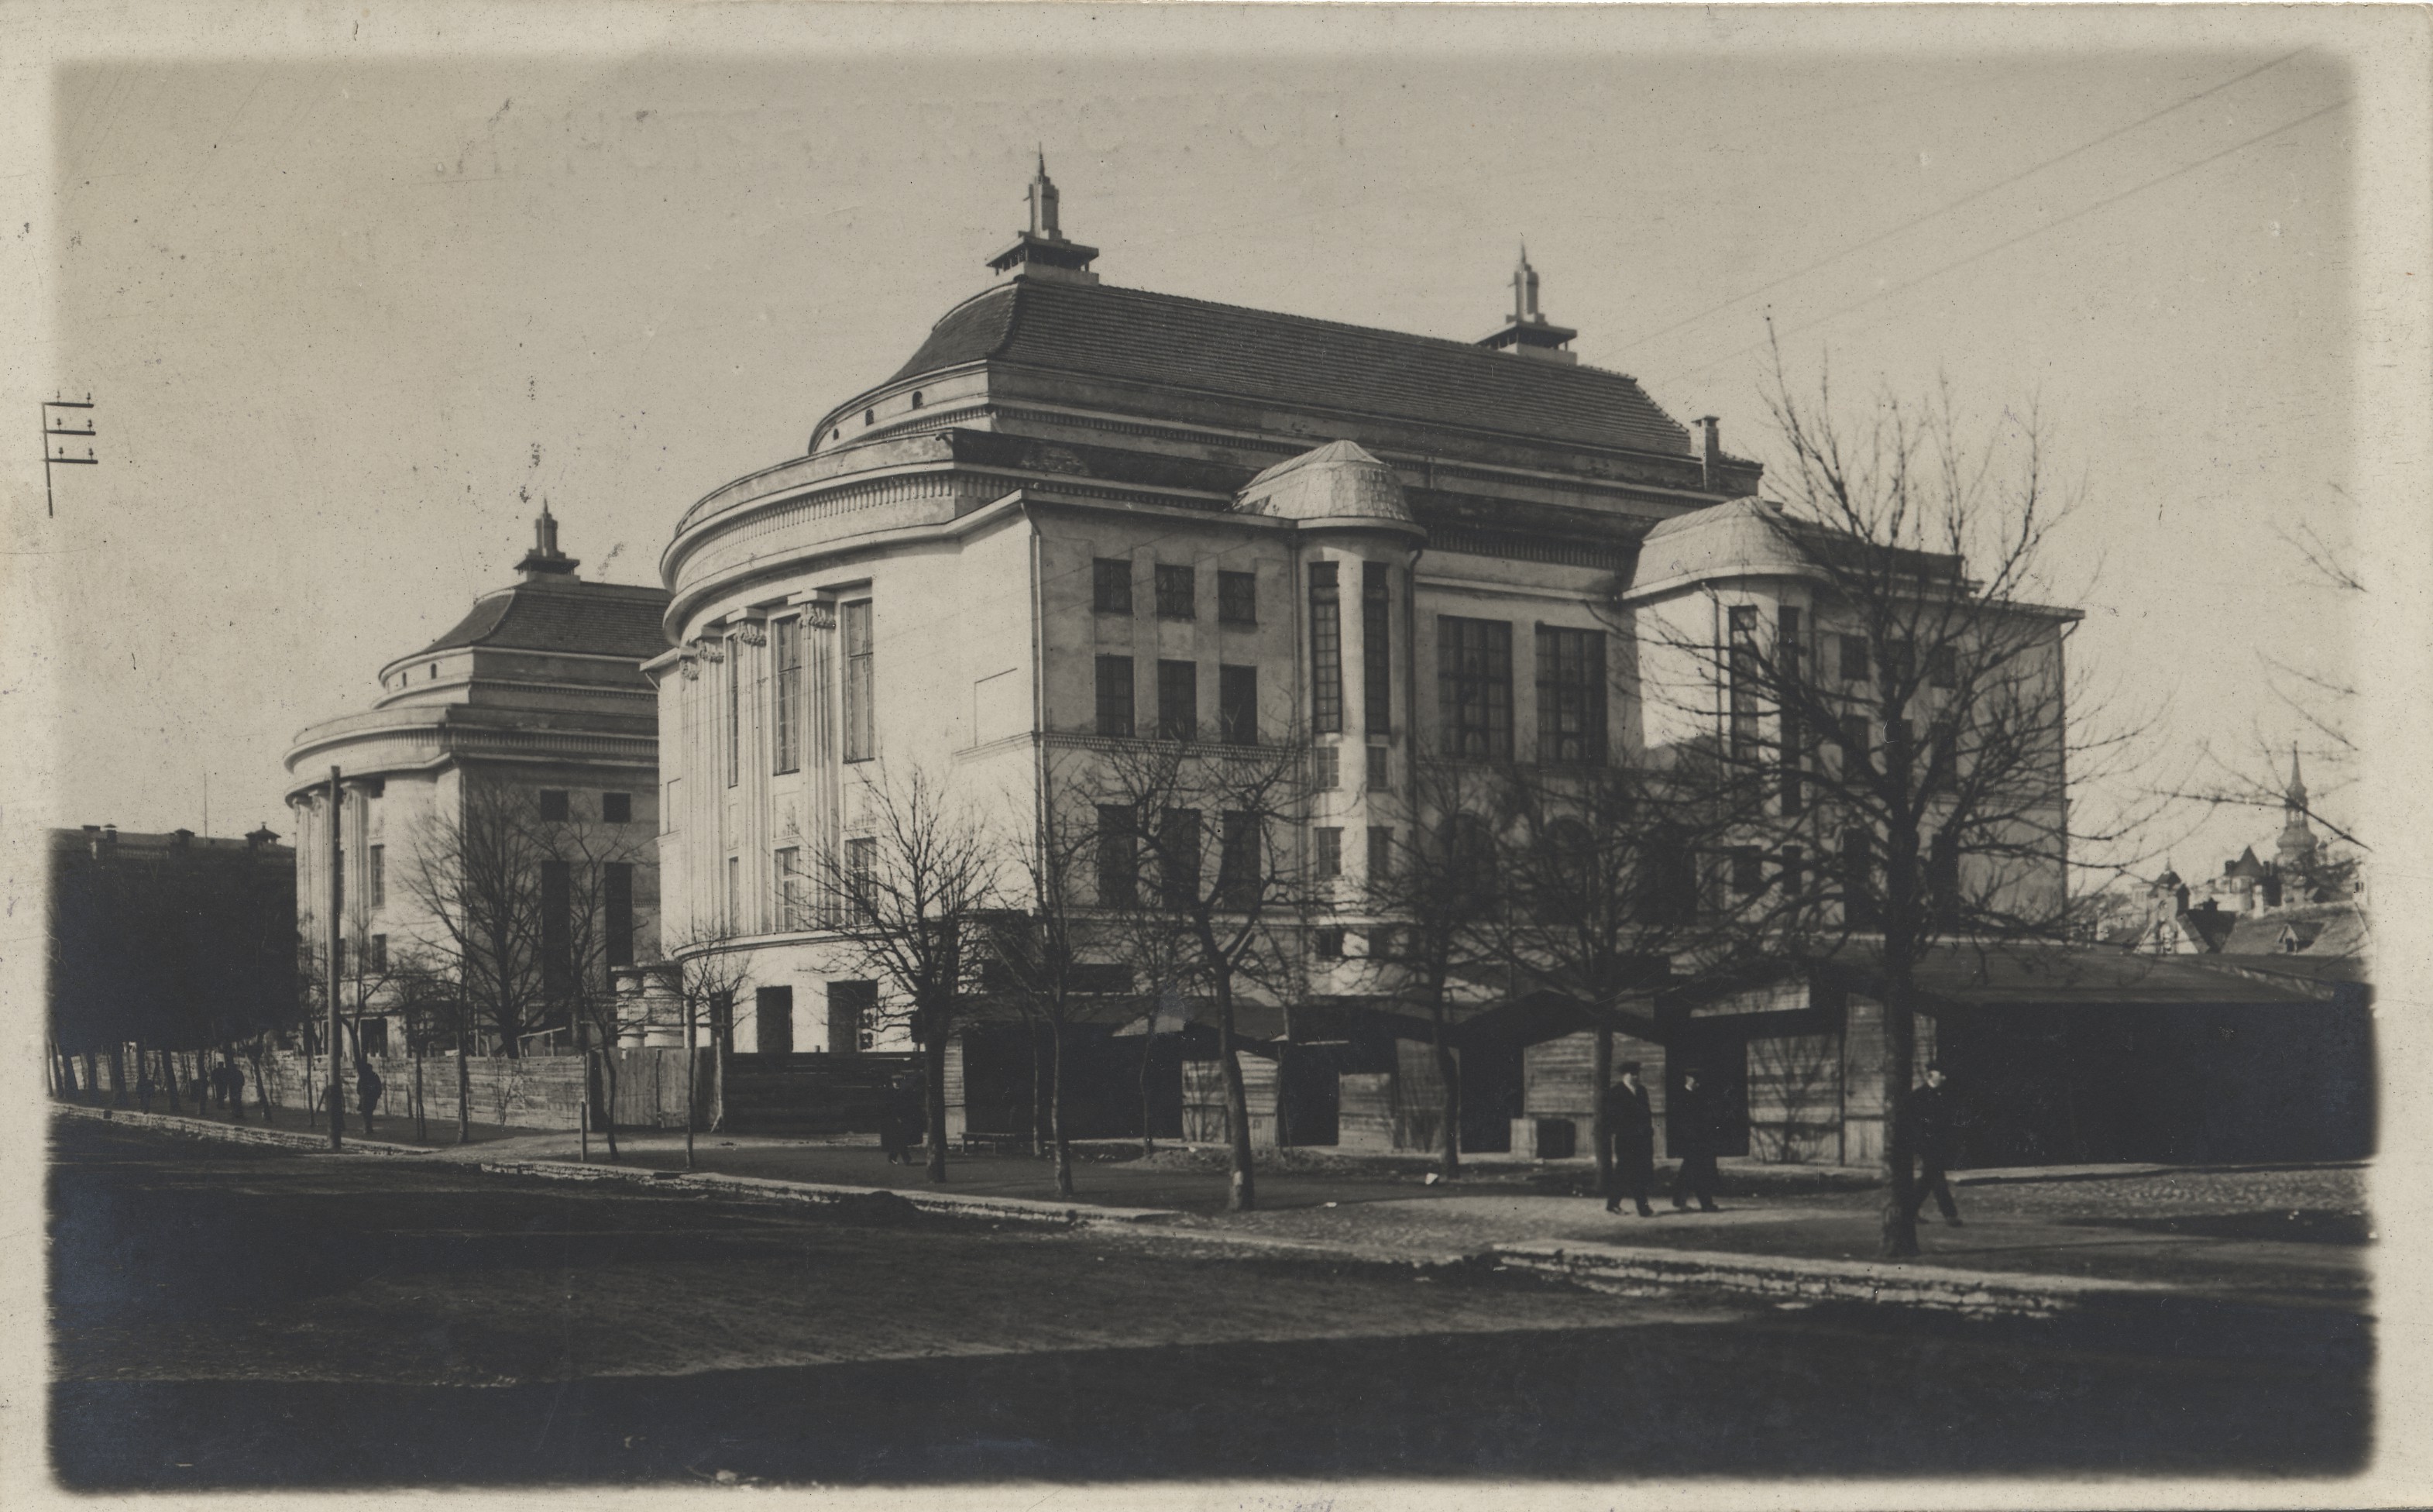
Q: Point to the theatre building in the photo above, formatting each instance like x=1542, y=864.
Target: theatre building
x=528, y=722
x=1080, y=516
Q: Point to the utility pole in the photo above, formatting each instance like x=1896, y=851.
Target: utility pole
x=337, y=1078
x=55, y=454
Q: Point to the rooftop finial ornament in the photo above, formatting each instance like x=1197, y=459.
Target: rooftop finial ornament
x=1042, y=251
x=545, y=560
x=1528, y=333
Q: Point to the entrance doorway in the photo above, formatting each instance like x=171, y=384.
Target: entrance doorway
x=1491, y=1096
x=772, y=1020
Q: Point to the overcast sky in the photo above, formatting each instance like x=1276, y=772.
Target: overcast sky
x=343, y=311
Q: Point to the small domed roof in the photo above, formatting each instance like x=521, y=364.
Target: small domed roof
x=1748, y=536
x=1338, y=480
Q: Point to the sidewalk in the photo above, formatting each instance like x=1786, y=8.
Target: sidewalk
x=386, y=1128
x=2278, y=1235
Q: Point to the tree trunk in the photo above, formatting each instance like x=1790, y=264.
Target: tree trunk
x=1900, y=1240
x=1600, y=1137
x=421, y=1133
x=169, y=1080
x=1449, y=1079
x=1149, y=1047
x=933, y=1056
x=117, y=1075
x=236, y=1092
x=464, y=1089
x=1039, y=1114
x=260, y=1085
x=692, y=1085
x=1242, y=1197
x=91, y=1077
x=608, y=1101
x=1056, y=1113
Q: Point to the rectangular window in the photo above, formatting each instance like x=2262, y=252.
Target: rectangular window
x=734, y=665
x=1794, y=869
x=1177, y=587
x=1748, y=871
x=1325, y=651
x=1328, y=944
x=861, y=866
x=1854, y=743
x=1858, y=879
x=1474, y=687
x=853, y=1015
x=617, y=808
x=1945, y=757
x=1943, y=665
x=1118, y=858
x=1748, y=675
x=1178, y=701
x=788, y=714
x=1381, y=775
x=1786, y=645
x=1898, y=662
x=377, y=964
x=617, y=884
x=1237, y=598
x=1116, y=696
x=1330, y=854
x=735, y=894
x=1854, y=659
x=1376, y=647
x=1571, y=696
x=860, y=714
x=1898, y=756
x=556, y=926
x=790, y=888
x=1177, y=844
x=1325, y=768
x=1238, y=704
x=1238, y=869
x=377, y=884
x=1111, y=585
x=1381, y=853
x=553, y=804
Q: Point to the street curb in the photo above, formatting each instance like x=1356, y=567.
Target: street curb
x=1640, y=1271
x=1000, y=1209
x=239, y=1133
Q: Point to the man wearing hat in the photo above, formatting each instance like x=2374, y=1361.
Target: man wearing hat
x=1696, y=1121
x=1632, y=1134
x=1932, y=1131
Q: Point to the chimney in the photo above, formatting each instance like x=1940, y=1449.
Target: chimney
x=1711, y=473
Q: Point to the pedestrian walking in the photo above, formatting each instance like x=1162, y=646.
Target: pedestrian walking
x=1934, y=1135
x=1630, y=1131
x=897, y=1119
x=367, y=1093
x=1694, y=1118
x=234, y=1081
x=143, y=1090
x=200, y=1090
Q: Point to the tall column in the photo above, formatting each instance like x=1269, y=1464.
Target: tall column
x=333, y=935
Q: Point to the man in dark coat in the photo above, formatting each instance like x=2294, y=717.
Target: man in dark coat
x=1936, y=1138
x=1632, y=1134
x=899, y=1116
x=368, y=1087
x=1694, y=1116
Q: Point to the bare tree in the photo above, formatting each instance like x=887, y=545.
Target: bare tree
x=578, y=861
x=1042, y=945
x=908, y=898
x=700, y=974
x=1881, y=764
x=1599, y=892
x=477, y=874
x=1439, y=884
x=1231, y=923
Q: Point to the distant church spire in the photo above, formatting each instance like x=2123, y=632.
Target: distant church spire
x=545, y=560
x=1527, y=333
x=2296, y=849
x=1041, y=251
